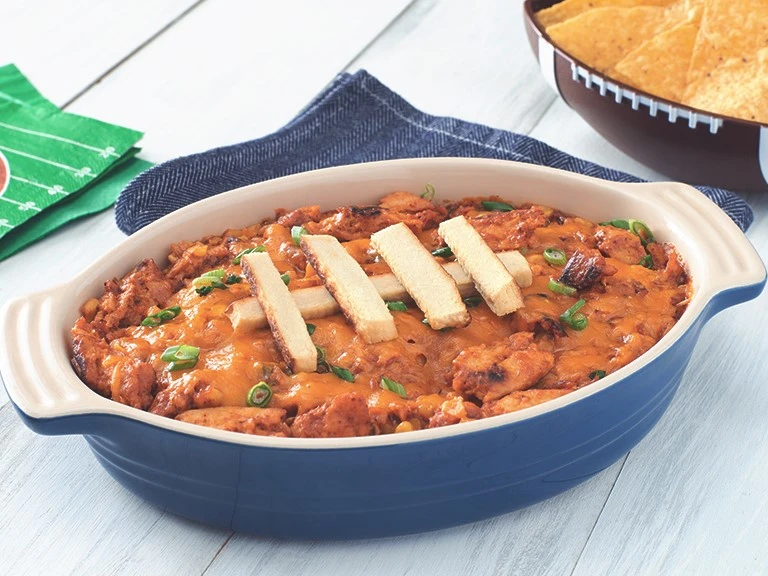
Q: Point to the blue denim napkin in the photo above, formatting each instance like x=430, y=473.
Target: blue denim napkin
x=355, y=119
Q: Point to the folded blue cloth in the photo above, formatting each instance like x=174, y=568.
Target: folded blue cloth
x=355, y=119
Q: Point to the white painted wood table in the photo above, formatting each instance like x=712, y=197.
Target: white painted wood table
x=691, y=498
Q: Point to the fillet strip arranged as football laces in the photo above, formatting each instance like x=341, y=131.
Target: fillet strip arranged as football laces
x=416, y=274
x=494, y=282
x=316, y=302
x=283, y=315
x=430, y=286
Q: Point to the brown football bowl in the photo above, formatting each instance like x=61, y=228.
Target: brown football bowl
x=682, y=143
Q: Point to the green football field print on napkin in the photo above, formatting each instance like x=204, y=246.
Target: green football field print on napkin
x=54, y=161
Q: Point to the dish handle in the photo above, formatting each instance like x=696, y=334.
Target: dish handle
x=731, y=270
x=35, y=368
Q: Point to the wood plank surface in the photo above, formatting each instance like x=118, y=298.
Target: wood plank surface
x=63, y=47
x=690, y=499
x=234, y=70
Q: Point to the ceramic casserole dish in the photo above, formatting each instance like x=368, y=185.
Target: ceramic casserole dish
x=397, y=483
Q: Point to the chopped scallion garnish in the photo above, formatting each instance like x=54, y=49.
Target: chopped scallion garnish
x=641, y=230
x=429, y=192
x=181, y=357
x=311, y=329
x=322, y=362
x=497, y=206
x=473, y=301
x=555, y=256
x=392, y=386
x=259, y=396
x=646, y=261
x=597, y=374
x=444, y=252
x=397, y=306
x=638, y=228
x=623, y=224
x=560, y=288
x=233, y=279
x=297, y=232
x=205, y=283
x=342, y=373
x=248, y=251
x=209, y=278
x=573, y=318
x=286, y=278
x=160, y=317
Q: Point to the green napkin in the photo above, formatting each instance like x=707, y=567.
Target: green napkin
x=54, y=166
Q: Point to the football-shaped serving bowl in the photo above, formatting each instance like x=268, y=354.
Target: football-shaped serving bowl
x=680, y=142
x=394, y=483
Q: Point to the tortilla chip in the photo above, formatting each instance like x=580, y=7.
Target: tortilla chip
x=738, y=88
x=729, y=29
x=569, y=8
x=602, y=37
x=660, y=65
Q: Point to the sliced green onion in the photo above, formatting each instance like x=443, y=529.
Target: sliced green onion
x=578, y=321
x=555, y=256
x=560, y=288
x=233, y=279
x=181, y=357
x=259, y=396
x=311, y=329
x=320, y=355
x=497, y=206
x=204, y=290
x=473, y=301
x=297, y=232
x=219, y=285
x=218, y=273
x=181, y=365
x=342, y=373
x=641, y=230
x=392, y=386
x=623, y=224
x=429, y=192
x=597, y=374
x=286, y=278
x=208, y=278
x=248, y=251
x=444, y=252
x=163, y=316
x=397, y=306
x=646, y=261
x=573, y=318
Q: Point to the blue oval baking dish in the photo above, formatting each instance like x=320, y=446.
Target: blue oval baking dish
x=380, y=485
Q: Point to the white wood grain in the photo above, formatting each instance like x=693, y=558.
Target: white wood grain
x=234, y=70
x=65, y=46
x=692, y=497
